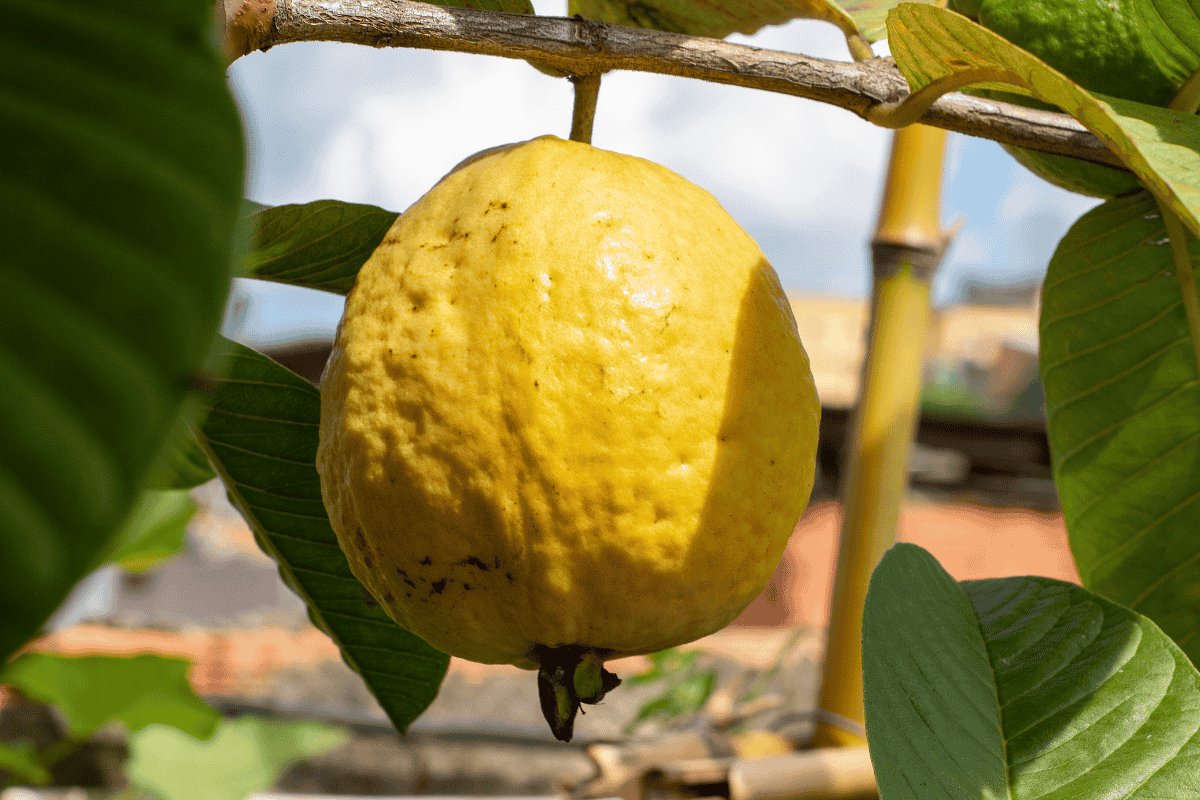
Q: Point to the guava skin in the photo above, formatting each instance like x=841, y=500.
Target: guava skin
x=1095, y=43
x=567, y=417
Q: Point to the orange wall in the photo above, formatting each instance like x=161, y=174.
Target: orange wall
x=969, y=541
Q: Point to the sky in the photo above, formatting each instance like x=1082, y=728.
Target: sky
x=366, y=125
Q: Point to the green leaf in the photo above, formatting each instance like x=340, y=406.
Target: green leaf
x=718, y=20
x=1123, y=406
x=690, y=695
x=1160, y=146
x=685, y=687
x=1171, y=35
x=511, y=6
x=21, y=762
x=184, y=464
x=93, y=690
x=119, y=187
x=658, y=707
x=154, y=532
x=320, y=245
x=932, y=716
x=1021, y=688
x=244, y=756
x=261, y=430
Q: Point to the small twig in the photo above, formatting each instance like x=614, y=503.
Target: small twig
x=587, y=90
x=587, y=47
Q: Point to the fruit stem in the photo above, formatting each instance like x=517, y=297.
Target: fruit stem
x=1187, y=99
x=587, y=90
x=567, y=676
x=1183, y=271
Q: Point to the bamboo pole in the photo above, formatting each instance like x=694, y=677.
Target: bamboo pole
x=832, y=773
x=906, y=249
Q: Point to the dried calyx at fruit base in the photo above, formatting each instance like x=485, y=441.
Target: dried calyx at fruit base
x=567, y=417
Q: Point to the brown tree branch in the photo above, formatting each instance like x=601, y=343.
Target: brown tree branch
x=586, y=47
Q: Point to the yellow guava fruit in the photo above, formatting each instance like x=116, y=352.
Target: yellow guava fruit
x=567, y=416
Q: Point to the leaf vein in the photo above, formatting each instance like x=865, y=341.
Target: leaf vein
x=1074, y=451
x=1095, y=387
x=1048, y=368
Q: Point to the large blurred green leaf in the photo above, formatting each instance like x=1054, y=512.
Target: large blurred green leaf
x=93, y=690
x=119, y=186
x=1160, y=146
x=1123, y=405
x=244, y=756
x=154, y=532
x=262, y=432
x=1026, y=688
x=320, y=245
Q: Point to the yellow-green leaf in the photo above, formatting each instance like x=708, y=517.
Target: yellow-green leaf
x=871, y=16
x=1160, y=146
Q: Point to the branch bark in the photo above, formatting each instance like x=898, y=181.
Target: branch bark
x=587, y=47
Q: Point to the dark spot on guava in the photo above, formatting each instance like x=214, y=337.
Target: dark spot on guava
x=367, y=562
x=472, y=561
x=425, y=561
x=466, y=587
x=388, y=597
x=509, y=576
x=438, y=586
x=359, y=539
x=504, y=205
x=496, y=562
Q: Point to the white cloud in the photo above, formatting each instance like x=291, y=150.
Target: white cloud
x=397, y=142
